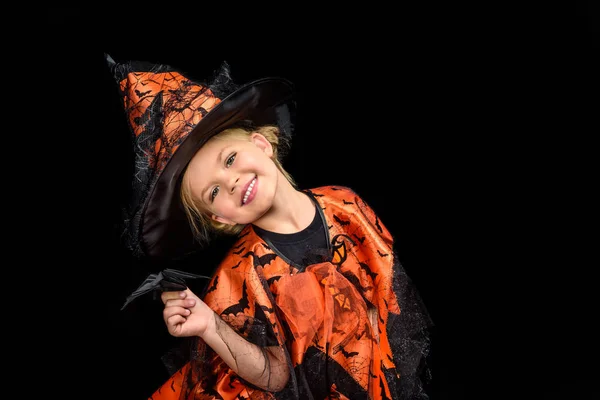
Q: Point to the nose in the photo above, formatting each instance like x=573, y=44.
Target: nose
x=233, y=184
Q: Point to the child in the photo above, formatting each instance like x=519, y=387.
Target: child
x=311, y=301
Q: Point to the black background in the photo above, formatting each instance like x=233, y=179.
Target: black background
x=467, y=129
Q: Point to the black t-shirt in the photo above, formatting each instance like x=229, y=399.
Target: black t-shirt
x=303, y=248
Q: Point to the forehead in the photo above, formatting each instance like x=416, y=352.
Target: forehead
x=209, y=152
x=213, y=144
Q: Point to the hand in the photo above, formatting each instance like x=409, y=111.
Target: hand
x=185, y=314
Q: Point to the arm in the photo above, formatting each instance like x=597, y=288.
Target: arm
x=187, y=315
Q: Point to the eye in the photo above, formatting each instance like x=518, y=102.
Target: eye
x=230, y=160
x=214, y=193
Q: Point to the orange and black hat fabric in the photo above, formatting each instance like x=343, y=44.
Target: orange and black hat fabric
x=171, y=117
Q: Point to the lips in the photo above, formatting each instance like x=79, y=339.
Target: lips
x=249, y=193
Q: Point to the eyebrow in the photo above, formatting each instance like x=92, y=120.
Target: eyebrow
x=220, y=156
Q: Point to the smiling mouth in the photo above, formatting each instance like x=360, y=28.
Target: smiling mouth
x=248, y=191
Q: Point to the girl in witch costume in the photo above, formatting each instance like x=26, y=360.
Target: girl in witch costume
x=311, y=301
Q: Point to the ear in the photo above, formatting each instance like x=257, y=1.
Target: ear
x=222, y=220
x=262, y=143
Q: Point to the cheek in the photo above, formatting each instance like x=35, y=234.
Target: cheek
x=264, y=163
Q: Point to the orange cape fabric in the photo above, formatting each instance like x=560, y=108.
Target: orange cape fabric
x=337, y=347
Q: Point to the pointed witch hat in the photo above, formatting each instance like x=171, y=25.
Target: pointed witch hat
x=171, y=117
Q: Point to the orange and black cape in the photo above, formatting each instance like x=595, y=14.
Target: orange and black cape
x=353, y=327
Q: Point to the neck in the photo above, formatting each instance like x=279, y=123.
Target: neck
x=292, y=210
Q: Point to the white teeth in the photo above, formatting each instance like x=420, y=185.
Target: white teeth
x=248, y=191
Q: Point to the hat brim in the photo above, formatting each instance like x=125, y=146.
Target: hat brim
x=165, y=231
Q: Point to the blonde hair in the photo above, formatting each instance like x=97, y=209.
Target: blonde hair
x=201, y=223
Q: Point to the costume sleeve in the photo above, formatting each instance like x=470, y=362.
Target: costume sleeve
x=238, y=295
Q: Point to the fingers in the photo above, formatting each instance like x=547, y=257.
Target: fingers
x=175, y=324
x=164, y=296
x=177, y=310
x=175, y=315
x=178, y=307
x=186, y=303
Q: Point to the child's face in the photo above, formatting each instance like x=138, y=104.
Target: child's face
x=235, y=180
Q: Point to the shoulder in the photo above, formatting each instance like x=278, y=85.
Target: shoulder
x=239, y=255
x=337, y=194
x=333, y=191
x=340, y=198
x=345, y=199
